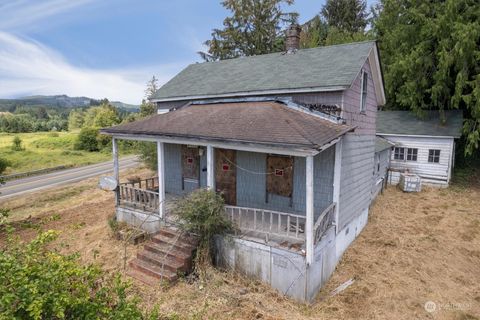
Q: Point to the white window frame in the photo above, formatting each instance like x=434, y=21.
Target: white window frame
x=434, y=156
x=403, y=159
x=363, y=92
x=407, y=154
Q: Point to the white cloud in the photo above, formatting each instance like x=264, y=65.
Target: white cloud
x=27, y=67
x=27, y=13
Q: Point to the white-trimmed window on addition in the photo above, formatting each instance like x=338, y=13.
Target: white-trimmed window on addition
x=399, y=153
x=363, y=97
x=434, y=155
x=412, y=154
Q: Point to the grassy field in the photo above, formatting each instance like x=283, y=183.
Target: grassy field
x=415, y=248
x=46, y=150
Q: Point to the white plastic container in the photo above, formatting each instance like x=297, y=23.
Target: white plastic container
x=410, y=182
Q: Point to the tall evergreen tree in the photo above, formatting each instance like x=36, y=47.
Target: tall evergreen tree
x=252, y=29
x=431, y=58
x=348, y=16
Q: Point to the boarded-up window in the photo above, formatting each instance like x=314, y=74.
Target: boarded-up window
x=280, y=175
x=226, y=175
x=190, y=162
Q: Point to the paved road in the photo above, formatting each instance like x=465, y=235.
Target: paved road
x=57, y=178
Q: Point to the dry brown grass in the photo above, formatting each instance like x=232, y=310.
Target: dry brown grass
x=415, y=248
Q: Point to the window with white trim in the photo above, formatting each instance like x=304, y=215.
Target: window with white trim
x=412, y=154
x=399, y=153
x=434, y=155
x=363, y=98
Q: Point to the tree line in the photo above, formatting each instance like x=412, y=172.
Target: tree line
x=430, y=50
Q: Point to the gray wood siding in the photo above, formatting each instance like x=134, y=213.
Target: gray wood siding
x=356, y=176
x=423, y=168
x=251, y=180
x=251, y=187
x=365, y=121
x=358, y=150
x=382, y=158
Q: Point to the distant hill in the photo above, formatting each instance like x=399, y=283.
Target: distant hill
x=59, y=101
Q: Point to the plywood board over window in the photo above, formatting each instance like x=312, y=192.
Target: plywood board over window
x=190, y=163
x=226, y=175
x=280, y=175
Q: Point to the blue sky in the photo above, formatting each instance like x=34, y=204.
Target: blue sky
x=104, y=48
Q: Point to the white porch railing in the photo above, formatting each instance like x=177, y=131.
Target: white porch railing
x=267, y=222
x=143, y=199
x=148, y=183
x=280, y=224
x=325, y=220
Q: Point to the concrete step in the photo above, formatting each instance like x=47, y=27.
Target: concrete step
x=166, y=249
x=153, y=270
x=160, y=260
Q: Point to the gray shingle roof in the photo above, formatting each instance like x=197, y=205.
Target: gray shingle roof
x=268, y=123
x=382, y=144
x=322, y=68
x=406, y=123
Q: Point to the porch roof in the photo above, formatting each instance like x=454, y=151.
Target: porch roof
x=267, y=123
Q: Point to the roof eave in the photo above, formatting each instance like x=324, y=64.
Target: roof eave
x=252, y=93
x=418, y=135
x=308, y=148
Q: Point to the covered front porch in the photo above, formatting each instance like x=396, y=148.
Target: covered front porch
x=278, y=169
x=282, y=200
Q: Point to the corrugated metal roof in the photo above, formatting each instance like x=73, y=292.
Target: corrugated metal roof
x=270, y=123
x=406, y=123
x=322, y=68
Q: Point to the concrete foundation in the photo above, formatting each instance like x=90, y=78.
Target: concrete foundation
x=285, y=270
x=137, y=218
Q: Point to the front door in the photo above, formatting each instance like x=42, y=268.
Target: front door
x=226, y=175
x=190, y=168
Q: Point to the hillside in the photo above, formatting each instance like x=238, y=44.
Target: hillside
x=59, y=101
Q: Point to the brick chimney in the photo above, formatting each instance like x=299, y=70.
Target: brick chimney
x=292, y=38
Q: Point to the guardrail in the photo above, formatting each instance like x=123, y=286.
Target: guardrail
x=33, y=173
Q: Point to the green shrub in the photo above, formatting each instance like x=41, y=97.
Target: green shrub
x=87, y=139
x=17, y=144
x=4, y=163
x=202, y=213
x=37, y=283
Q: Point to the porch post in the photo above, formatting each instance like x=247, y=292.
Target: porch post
x=210, y=168
x=161, y=178
x=309, y=237
x=116, y=169
x=337, y=180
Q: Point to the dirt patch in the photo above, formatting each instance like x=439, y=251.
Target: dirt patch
x=416, y=248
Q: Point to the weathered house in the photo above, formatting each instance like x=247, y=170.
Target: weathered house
x=425, y=147
x=288, y=138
